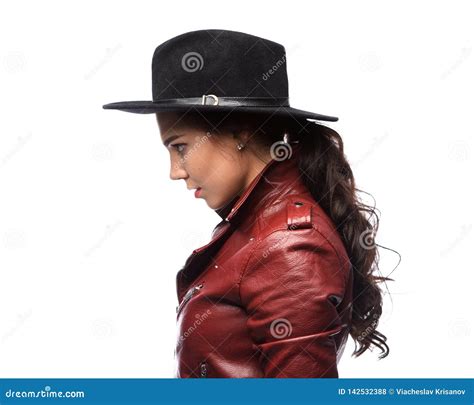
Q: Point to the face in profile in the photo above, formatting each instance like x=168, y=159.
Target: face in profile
x=209, y=161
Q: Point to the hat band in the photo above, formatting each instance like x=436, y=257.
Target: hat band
x=211, y=99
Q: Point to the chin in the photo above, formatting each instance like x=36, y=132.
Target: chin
x=220, y=204
x=215, y=205
x=212, y=206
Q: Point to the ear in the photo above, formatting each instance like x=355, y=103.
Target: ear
x=241, y=135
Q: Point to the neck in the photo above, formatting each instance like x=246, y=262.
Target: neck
x=256, y=165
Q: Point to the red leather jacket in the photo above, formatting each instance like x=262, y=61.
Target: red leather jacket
x=270, y=295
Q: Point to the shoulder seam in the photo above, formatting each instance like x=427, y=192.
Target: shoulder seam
x=252, y=251
x=258, y=243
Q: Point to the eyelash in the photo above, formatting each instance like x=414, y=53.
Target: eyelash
x=176, y=147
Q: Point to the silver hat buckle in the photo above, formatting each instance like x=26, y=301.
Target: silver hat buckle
x=205, y=96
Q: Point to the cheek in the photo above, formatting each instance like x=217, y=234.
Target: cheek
x=225, y=180
x=201, y=165
x=215, y=171
x=218, y=171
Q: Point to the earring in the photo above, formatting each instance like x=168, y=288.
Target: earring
x=240, y=146
x=286, y=138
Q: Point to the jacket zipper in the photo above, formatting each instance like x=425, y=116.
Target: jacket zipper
x=203, y=370
x=189, y=294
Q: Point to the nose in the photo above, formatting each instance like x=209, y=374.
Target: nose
x=177, y=171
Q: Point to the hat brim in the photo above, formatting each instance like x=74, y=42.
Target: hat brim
x=149, y=107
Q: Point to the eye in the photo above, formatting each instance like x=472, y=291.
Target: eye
x=177, y=147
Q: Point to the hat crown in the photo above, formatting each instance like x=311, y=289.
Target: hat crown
x=219, y=62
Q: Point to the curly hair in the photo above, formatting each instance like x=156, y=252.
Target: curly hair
x=328, y=176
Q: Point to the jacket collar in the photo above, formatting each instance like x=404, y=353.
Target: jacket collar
x=275, y=172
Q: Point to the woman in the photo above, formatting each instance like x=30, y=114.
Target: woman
x=287, y=275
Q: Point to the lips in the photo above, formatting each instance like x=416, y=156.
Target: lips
x=197, y=192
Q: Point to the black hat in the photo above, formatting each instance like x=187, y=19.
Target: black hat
x=218, y=70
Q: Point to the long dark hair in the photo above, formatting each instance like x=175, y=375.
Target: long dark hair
x=329, y=177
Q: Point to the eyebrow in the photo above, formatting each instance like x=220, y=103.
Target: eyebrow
x=171, y=138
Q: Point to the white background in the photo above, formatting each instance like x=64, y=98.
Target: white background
x=93, y=231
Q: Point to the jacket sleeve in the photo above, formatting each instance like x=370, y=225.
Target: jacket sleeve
x=290, y=288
